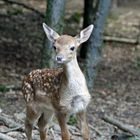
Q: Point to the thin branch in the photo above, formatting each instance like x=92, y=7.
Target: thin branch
x=53, y=134
x=120, y=40
x=14, y=87
x=9, y=122
x=18, y=128
x=120, y=125
x=11, y=87
x=5, y=137
x=96, y=130
x=25, y=6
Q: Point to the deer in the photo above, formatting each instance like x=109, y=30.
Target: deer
x=58, y=91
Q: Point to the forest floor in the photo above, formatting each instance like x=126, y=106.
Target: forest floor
x=117, y=86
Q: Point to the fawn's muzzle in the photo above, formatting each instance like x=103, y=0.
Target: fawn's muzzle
x=59, y=59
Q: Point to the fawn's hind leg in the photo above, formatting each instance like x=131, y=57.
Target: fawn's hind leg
x=31, y=116
x=42, y=124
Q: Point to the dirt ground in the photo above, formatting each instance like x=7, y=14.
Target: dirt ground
x=117, y=85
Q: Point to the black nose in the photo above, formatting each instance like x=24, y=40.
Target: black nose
x=59, y=58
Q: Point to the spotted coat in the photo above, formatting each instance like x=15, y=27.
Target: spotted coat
x=46, y=80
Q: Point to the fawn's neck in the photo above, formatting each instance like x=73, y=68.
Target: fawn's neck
x=74, y=80
x=72, y=69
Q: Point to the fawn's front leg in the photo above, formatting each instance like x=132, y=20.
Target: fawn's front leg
x=63, y=125
x=84, y=125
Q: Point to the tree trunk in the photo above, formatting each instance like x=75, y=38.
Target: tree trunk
x=88, y=19
x=114, y=5
x=54, y=19
x=94, y=43
x=90, y=8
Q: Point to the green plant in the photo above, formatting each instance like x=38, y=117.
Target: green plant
x=15, y=11
x=134, y=138
x=72, y=120
x=137, y=63
x=76, y=17
x=3, y=88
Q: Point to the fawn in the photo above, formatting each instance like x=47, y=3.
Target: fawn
x=59, y=91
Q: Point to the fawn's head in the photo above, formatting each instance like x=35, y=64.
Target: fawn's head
x=65, y=45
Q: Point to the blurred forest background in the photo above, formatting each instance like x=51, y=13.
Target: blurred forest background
x=116, y=86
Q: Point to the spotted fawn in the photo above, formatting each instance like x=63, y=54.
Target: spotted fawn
x=60, y=91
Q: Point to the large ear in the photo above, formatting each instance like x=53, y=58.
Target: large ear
x=51, y=34
x=84, y=34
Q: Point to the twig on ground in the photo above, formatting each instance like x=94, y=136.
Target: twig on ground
x=120, y=125
x=14, y=129
x=10, y=87
x=5, y=137
x=76, y=133
x=9, y=122
x=53, y=134
x=96, y=130
x=25, y=6
x=13, y=87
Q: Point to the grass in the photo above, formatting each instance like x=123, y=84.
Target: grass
x=3, y=88
x=72, y=120
x=76, y=17
x=134, y=138
x=15, y=11
x=137, y=63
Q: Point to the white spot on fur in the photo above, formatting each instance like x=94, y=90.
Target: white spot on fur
x=40, y=92
x=28, y=85
x=28, y=97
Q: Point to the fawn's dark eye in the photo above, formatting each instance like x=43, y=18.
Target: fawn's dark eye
x=54, y=47
x=72, y=48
